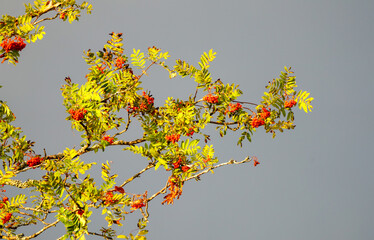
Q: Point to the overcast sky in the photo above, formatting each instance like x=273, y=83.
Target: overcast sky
x=315, y=182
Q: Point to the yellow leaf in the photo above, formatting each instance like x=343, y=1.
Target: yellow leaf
x=172, y=75
x=122, y=236
x=82, y=237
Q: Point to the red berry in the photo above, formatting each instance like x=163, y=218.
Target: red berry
x=290, y=103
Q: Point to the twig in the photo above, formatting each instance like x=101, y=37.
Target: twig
x=30, y=215
x=84, y=149
x=101, y=235
x=145, y=71
x=72, y=198
x=247, y=159
x=157, y=193
x=223, y=123
x=232, y=161
x=150, y=165
x=49, y=8
x=145, y=213
x=46, y=19
x=121, y=142
x=42, y=230
x=19, y=184
x=126, y=128
x=254, y=104
x=197, y=88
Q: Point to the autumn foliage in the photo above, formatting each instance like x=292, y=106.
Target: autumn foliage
x=173, y=134
x=12, y=44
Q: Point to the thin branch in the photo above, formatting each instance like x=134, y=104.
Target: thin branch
x=72, y=198
x=126, y=128
x=247, y=159
x=46, y=10
x=19, y=184
x=30, y=215
x=121, y=142
x=163, y=190
x=232, y=161
x=38, y=210
x=112, y=95
x=145, y=71
x=197, y=88
x=145, y=213
x=42, y=230
x=83, y=149
x=223, y=123
x=46, y=19
x=150, y=165
x=138, y=77
x=98, y=234
x=23, y=167
x=157, y=193
x=254, y=104
x=55, y=156
x=17, y=237
x=249, y=110
x=34, y=209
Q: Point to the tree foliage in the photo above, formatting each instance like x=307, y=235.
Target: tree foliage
x=173, y=136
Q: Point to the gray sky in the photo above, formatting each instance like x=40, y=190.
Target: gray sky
x=314, y=182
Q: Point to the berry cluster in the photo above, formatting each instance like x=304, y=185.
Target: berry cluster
x=265, y=113
x=108, y=139
x=139, y=201
x=290, y=103
x=146, y=103
x=178, y=164
x=101, y=69
x=178, y=105
x=34, y=161
x=256, y=122
x=185, y=168
x=260, y=119
x=207, y=159
x=210, y=98
x=232, y=108
x=255, y=161
x=62, y=15
x=120, y=61
x=131, y=109
x=190, y=132
x=78, y=114
x=6, y=218
x=5, y=200
x=175, y=188
x=143, y=106
x=80, y=212
x=108, y=198
x=16, y=44
x=172, y=138
x=150, y=100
